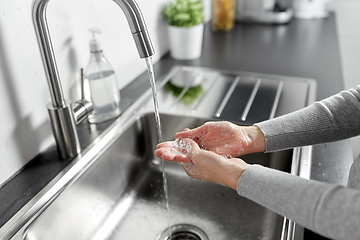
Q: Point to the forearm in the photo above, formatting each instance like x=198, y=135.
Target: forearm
x=331, y=119
x=332, y=211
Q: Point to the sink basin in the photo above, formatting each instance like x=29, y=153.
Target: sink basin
x=114, y=188
x=121, y=195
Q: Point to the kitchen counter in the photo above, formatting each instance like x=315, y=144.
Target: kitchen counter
x=303, y=48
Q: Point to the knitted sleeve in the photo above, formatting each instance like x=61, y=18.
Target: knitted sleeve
x=330, y=210
x=332, y=119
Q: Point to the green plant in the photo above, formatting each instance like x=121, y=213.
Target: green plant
x=189, y=97
x=184, y=13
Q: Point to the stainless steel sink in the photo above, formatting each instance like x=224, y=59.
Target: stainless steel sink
x=114, y=189
x=121, y=196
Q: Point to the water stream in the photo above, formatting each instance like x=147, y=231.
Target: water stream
x=158, y=128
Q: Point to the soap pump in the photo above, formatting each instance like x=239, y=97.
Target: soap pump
x=101, y=81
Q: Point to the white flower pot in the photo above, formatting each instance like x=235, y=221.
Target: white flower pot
x=307, y=9
x=186, y=42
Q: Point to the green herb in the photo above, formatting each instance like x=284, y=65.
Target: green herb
x=184, y=13
x=189, y=97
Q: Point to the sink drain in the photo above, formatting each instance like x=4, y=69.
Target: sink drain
x=183, y=232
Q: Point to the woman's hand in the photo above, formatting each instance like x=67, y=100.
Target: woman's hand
x=226, y=139
x=202, y=164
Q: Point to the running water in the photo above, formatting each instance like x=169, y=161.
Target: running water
x=158, y=128
x=156, y=105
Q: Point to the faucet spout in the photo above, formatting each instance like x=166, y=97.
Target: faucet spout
x=137, y=27
x=60, y=111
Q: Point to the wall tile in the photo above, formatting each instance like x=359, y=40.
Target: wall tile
x=348, y=17
x=351, y=80
x=350, y=53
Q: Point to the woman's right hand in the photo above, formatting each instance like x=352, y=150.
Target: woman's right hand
x=226, y=139
x=201, y=164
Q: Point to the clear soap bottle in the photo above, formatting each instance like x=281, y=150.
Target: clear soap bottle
x=101, y=84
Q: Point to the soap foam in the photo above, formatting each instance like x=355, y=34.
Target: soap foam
x=182, y=145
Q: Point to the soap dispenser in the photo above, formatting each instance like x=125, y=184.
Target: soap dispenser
x=101, y=84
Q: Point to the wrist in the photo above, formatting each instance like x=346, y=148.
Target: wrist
x=233, y=177
x=256, y=139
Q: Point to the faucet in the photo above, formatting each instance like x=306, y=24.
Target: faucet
x=63, y=115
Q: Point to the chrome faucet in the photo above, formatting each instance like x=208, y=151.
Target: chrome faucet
x=64, y=115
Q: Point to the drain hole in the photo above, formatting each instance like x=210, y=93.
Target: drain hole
x=184, y=236
x=183, y=232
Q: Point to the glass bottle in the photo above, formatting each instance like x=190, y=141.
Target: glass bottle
x=223, y=15
x=102, y=84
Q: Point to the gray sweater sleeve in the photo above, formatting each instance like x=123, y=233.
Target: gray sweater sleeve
x=330, y=210
x=332, y=119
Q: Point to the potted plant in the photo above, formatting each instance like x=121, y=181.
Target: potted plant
x=186, y=27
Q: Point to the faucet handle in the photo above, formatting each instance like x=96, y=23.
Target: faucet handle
x=82, y=84
x=82, y=108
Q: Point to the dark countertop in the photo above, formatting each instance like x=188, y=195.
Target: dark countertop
x=302, y=48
